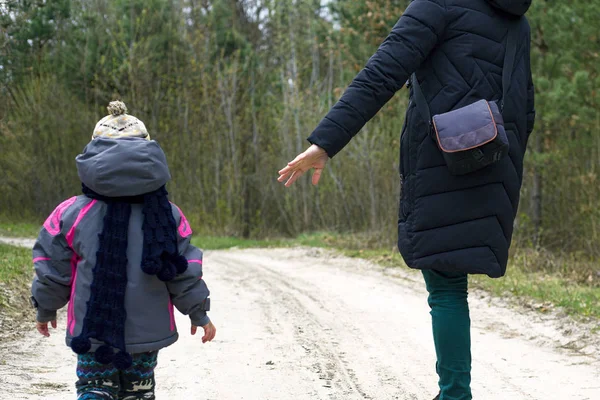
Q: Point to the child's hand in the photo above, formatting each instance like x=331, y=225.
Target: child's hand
x=42, y=327
x=209, y=332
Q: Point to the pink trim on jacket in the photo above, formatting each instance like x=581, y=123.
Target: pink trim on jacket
x=82, y=213
x=74, y=263
x=52, y=224
x=171, y=315
x=41, y=259
x=196, y=262
x=184, y=229
x=71, y=309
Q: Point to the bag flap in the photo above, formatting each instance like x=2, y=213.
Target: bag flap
x=466, y=128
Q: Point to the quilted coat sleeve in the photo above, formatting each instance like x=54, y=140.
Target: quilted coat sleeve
x=411, y=40
x=189, y=292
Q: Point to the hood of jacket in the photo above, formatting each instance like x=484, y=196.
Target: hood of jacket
x=514, y=7
x=123, y=167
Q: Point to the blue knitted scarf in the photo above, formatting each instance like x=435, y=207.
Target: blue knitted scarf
x=105, y=315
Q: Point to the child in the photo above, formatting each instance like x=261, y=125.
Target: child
x=120, y=256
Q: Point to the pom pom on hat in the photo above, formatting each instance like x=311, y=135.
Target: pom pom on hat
x=118, y=124
x=116, y=108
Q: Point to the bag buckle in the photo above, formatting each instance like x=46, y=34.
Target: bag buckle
x=478, y=155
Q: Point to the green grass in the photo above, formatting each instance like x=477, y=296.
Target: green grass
x=15, y=263
x=25, y=230
x=547, y=290
x=16, y=273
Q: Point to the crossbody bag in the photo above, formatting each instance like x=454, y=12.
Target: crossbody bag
x=472, y=137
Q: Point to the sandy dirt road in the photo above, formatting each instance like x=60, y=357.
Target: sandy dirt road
x=306, y=324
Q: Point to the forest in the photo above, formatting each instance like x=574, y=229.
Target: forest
x=232, y=88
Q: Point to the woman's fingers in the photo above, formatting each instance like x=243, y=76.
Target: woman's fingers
x=294, y=178
x=284, y=176
x=293, y=174
x=317, y=176
x=299, y=165
x=291, y=179
x=293, y=165
x=290, y=174
x=297, y=160
x=289, y=170
x=285, y=170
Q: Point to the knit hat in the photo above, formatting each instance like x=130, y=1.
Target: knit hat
x=119, y=124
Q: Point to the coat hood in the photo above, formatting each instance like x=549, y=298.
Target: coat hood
x=514, y=7
x=123, y=167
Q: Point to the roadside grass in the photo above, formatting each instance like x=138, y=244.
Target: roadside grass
x=24, y=230
x=16, y=272
x=536, y=278
x=546, y=290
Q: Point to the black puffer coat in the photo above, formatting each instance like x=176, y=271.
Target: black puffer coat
x=456, y=48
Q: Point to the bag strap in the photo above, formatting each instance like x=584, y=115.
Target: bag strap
x=507, y=70
x=420, y=100
x=509, y=61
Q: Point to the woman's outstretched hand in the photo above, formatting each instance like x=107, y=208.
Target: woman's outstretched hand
x=314, y=157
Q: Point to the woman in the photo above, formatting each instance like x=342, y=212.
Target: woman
x=449, y=226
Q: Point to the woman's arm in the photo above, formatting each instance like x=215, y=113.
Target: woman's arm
x=403, y=51
x=413, y=37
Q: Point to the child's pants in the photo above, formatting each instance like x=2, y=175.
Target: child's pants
x=105, y=382
x=451, y=332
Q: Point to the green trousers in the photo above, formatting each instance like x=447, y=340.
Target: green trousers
x=451, y=332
